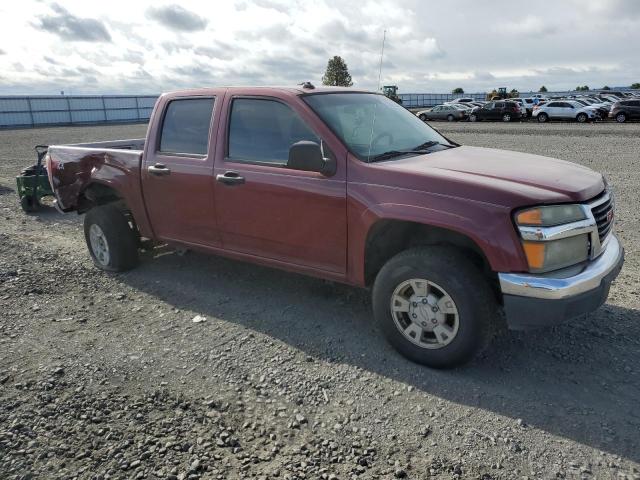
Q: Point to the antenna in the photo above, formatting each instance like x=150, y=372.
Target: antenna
x=375, y=107
x=384, y=37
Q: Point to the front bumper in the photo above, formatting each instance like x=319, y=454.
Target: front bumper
x=532, y=301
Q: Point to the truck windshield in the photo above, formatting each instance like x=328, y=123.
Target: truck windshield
x=373, y=126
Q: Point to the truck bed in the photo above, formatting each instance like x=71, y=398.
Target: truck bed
x=113, y=163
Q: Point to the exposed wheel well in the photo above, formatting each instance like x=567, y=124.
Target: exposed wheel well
x=390, y=237
x=98, y=194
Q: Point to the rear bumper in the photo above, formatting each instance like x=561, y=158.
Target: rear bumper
x=532, y=301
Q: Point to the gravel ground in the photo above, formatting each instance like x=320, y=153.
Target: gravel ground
x=107, y=376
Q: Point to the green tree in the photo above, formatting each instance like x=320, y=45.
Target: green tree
x=635, y=86
x=606, y=87
x=543, y=89
x=337, y=73
x=583, y=88
x=458, y=90
x=514, y=93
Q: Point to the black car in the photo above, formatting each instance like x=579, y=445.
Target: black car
x=501, y=110
x=625, y=110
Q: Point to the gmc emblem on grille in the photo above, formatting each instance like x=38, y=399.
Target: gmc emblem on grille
x=609, y=216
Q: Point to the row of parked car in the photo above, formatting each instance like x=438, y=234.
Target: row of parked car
x=619, y=106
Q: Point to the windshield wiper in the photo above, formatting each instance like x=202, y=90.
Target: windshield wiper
x=422, y=148
x=432, y=143
x=393, y=153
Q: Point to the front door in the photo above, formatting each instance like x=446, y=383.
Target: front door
x=177, y=173
x=268, y=210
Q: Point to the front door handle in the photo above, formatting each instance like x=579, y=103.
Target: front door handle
x=230, y=178
x=158, y=169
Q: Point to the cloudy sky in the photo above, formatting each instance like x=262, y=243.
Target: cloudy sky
x=116, y=46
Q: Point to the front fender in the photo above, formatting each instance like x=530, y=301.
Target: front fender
x=488, y=226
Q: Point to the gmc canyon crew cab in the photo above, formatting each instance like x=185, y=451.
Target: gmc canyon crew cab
x=349, y=186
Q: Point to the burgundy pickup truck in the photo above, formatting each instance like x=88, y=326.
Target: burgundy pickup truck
x=348, y=186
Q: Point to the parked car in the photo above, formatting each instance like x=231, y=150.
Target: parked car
x=349, y=186
x=564, y=110
x=625, y=110
x=443, y=112
x=601, y=108
x=526, y=103
x=460, y=100
x=504, y=110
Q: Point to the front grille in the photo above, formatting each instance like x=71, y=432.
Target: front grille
x=603, y=213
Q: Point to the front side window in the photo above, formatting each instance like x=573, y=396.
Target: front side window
x=185, y=127
x=370, y=124
x=262, y=131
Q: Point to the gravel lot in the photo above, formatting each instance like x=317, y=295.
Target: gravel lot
x=107, y=376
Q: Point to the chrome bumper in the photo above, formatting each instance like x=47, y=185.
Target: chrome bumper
x=550, y=287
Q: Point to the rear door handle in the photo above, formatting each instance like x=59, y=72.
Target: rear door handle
x=158, y=169
x=230, y=178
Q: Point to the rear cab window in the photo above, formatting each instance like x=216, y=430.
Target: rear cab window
x=185, y=127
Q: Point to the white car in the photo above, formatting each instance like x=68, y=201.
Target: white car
x=460, y=100
x=565, y=110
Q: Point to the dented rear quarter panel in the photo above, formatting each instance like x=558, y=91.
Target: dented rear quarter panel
x=73, y=169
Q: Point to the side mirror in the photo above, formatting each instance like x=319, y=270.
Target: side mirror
x=307, y=156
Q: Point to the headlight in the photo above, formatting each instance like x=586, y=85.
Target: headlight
x=548, y=256
x=550, y=216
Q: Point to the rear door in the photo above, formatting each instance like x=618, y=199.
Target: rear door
x=634, y=108
x=435, y=113
x=487, y=111
x=268, y=210
x=177, y=171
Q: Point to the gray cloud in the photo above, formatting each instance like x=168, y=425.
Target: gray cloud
x=2, y=52
x=72, y=28
x=177, y=18
x=220, y=51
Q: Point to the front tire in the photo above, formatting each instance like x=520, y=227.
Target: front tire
x=621, y=118
x=582, y=118
x=112, y=242
x=506, y=117
x=450, y=118
x=434, y=306
x=473, y=117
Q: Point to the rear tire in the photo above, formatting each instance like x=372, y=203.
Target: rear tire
x=473, y=117
x=542, y=117
x=446, y=323
x=506, y=117
x=422, y=117
x=29, y=204
x=621, y=118
x=112, y=242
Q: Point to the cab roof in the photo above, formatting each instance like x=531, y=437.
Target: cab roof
x=266, y=90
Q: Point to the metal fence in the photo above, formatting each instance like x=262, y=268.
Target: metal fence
x=41, y=110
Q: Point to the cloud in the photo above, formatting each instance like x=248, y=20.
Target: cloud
x=529, y=25
x=483, y=76
x=220, y=51
x=72, y=28
x=2, y=52
x=177, y=18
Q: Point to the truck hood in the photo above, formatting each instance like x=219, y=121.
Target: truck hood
x=500, y=177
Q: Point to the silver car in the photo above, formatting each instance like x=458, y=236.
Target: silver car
x=450, y=113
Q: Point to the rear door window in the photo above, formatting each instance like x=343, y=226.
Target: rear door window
x=185, y=127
